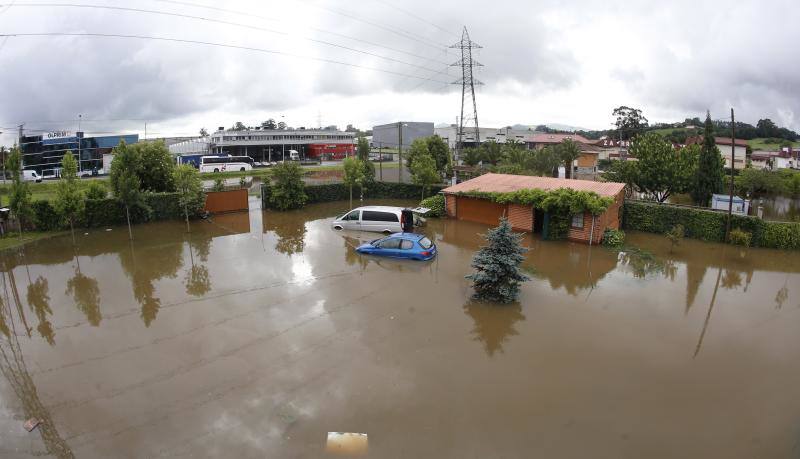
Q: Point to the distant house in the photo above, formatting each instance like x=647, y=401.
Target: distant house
x=724, y=145
x=539, y=140
x=786, y=158
x=584, y=227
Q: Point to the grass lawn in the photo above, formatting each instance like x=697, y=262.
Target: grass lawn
x=12, y=239
x=764, y=144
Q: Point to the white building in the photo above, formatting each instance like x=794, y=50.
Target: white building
x=262, y=144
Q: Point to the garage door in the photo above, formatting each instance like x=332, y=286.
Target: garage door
x=480, y=210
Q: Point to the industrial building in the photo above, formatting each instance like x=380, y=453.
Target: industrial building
x=43, y=152
x=401, y=133
x=274, y=144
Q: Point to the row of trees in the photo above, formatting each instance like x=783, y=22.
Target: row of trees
x=135, y=169
x=660, y=171
x=514, y=158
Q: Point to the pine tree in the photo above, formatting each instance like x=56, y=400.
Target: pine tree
x=710, y=168
x=497, y=274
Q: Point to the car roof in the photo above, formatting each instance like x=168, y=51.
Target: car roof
x=381, y=208
x=409, y=236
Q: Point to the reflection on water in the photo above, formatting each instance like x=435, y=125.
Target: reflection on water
x=494, y=325
x=245, y=316
x=39, y=302
x=15, y=370
x=86, y=294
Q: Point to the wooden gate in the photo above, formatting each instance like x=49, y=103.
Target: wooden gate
x=480, y=210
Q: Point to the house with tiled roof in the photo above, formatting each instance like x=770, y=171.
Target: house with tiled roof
x=464, y=202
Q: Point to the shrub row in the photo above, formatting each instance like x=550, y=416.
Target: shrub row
x=708, y=225
x=341, y=192
x=109, y=212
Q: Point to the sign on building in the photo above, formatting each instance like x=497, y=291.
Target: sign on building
x=57, y=137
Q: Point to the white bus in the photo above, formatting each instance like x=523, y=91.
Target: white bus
x=225, y=163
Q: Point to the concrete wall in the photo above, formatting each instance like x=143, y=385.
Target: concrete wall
x=386, y=135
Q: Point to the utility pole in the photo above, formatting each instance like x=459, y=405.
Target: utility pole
x=380, y=159
x=733, y=166
x=78, y=139
x=468, y=84
x=400, y=150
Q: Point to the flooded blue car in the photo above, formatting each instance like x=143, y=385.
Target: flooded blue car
x=401, y=245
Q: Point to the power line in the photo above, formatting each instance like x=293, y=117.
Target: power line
x=218, y=21
x=249, y=14
x=399, y=32
x=207, y=43
x=419, y=18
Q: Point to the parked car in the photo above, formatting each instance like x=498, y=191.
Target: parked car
x=410, y=246
x=31, y=176
x=381, y=219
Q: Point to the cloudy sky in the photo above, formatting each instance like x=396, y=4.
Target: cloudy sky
x=568, y=62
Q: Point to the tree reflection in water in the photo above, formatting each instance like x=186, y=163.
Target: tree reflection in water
x=289, y=228
x=197, y=280
x=144, y=266
x=15, y=371
x=494, y=324
x=39, y=302
x=86, y=293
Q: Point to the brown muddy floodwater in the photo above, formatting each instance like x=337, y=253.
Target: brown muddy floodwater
x=257, y=335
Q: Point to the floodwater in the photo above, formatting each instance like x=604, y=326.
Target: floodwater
x=258, y=334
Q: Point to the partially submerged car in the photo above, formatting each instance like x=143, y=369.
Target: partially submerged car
x=381, y=219
x=410, y=246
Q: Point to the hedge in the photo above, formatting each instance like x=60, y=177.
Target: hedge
x=45, y=217
x=341, y=192
x=708, y=225
x=110, y=212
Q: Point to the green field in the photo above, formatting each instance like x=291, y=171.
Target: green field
x=764, y=144
x=12, y=240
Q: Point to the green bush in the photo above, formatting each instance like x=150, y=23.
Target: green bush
x=739, y=237
x=110, y=212
x=613, y=237
x=436, y=205
x=781, y=235
x=96, y=190
x=340, y=192
x=45, y=217
x=708, y=225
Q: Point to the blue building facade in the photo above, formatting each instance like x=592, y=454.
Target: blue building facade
x=43, y=153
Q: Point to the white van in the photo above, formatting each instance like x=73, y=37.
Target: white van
x=380, y=219
x=31, y=176
x=294, y=155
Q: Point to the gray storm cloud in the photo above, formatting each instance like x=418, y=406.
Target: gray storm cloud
x=678, y=58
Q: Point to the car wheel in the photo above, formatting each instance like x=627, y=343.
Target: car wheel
x=387, y=232
x=216, y=170
x=337, y=227
x=241, y=170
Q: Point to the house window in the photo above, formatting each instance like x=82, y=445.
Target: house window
x=577, y=221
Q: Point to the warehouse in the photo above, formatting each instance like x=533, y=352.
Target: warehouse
x=274, y=144
x=584, y=227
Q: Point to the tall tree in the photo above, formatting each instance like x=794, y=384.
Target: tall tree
x=157, y=166
x=238, y=126
x=281, y=125
x=288, y=190
x=423, y=172
x=434, y=146
x=545, y=161
x=269, y=124
x=497, y=275
x=629, y=121
x=203, y=132
x=125, y=180
x=20, y=196
x=659, y=171
x=353, y=175
x=568, y=151
x=69, y=200
x=710, y=168
x=362, y=148
x=190, y=190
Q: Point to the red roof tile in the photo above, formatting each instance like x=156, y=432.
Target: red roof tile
x=556, y=138
x=506, y=183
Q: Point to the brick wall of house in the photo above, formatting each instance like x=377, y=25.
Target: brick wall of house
x=520, y=217
x=608, y=219
x=450, y=205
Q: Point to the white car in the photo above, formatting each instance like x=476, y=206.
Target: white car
x=380, y=219
x=31, y=176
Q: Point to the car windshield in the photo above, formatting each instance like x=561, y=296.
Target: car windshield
x=425, y=243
